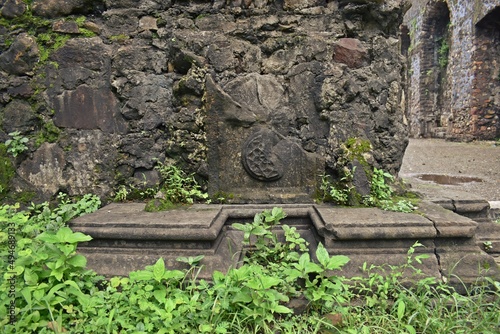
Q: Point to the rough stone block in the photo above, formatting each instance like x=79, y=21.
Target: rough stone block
x=350, y=51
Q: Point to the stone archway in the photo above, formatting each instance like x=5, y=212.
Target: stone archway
x=434, y=99
x=485, y=111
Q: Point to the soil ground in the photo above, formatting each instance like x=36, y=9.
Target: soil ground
x=472, y=168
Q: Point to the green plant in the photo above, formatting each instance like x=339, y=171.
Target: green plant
x=55, y=293
x=121, y=194
x=488, y=245
x=289, y=261
x=49, y=276
x=339, y=192
x=16, y=144
x=382, y=195
x=176, y=187
x=443, y=52
x=7, y=171
x=48, y=134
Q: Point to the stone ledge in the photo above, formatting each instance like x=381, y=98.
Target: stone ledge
x=125, y=238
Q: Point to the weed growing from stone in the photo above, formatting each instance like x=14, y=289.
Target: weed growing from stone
x=175, y=188
x=381, y=193
x=16, y=144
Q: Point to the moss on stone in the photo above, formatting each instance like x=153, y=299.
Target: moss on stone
x=7, y=171
x=48, y=134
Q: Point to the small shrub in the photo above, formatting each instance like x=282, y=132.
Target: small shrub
x=16, y=144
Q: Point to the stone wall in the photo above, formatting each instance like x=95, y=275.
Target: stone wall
x=249, y=95
x=459, y=100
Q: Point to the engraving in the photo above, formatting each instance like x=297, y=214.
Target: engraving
x=258, y=157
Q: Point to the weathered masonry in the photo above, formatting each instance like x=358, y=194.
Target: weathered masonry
x=454, y=68
x=256, y=94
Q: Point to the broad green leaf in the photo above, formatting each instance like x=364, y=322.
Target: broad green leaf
x=263, y=282
x=78, y=261
x=401, y=309
x=173, y=274
x=242, y=297
x=242, y=227
x=30, y=277
x=322, y=255
x=292, y=274
x=52, y=291
x=337, y=262
x=205, y=328
x=40, y=291
x=57, y=273
x=312, y=267
x=159, y=269
x=410, y=329
x=160, y=294
x=76, y=237
x=26, y=293
x=115, y=281
x=304, y=260
x=48, y=237
x=259, y=230
x=67, y=249
x=218, y=276
x=141, y=275
x=282, y=309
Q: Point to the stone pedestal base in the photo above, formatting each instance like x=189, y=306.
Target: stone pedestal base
x=125, y=238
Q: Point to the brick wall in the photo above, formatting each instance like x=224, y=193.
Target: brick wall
x=458, y=101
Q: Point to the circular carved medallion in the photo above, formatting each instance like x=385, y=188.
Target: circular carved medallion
x=259, y=159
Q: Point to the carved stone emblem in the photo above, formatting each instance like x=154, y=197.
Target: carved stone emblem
x=259, y=157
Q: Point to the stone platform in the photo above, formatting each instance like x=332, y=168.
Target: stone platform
x=126, y=238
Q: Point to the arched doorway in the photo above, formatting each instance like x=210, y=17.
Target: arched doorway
x=485, y=111
x=433, y=88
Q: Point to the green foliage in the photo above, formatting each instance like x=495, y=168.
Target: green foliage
x=290, y=266
x=47, y=218
x=48, y=134
x=443, y=52
x=7, y=171
x=80, y=21
x=175, y=188
x=49, y=42
x=338, y=193
x=354, y=149
x=179, y=187
x=119, y=38
x=381, y=193
x=16, y=144
x=45, y=276
x=55, y=293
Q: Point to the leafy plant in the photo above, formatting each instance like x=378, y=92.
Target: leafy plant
x=443, y=52
x=121, y=194
x=488, y=245
x=176, y=187
x=49, y=276
x=338, y=193
x=16, y=144
x=382, y=195
x=55, y=293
